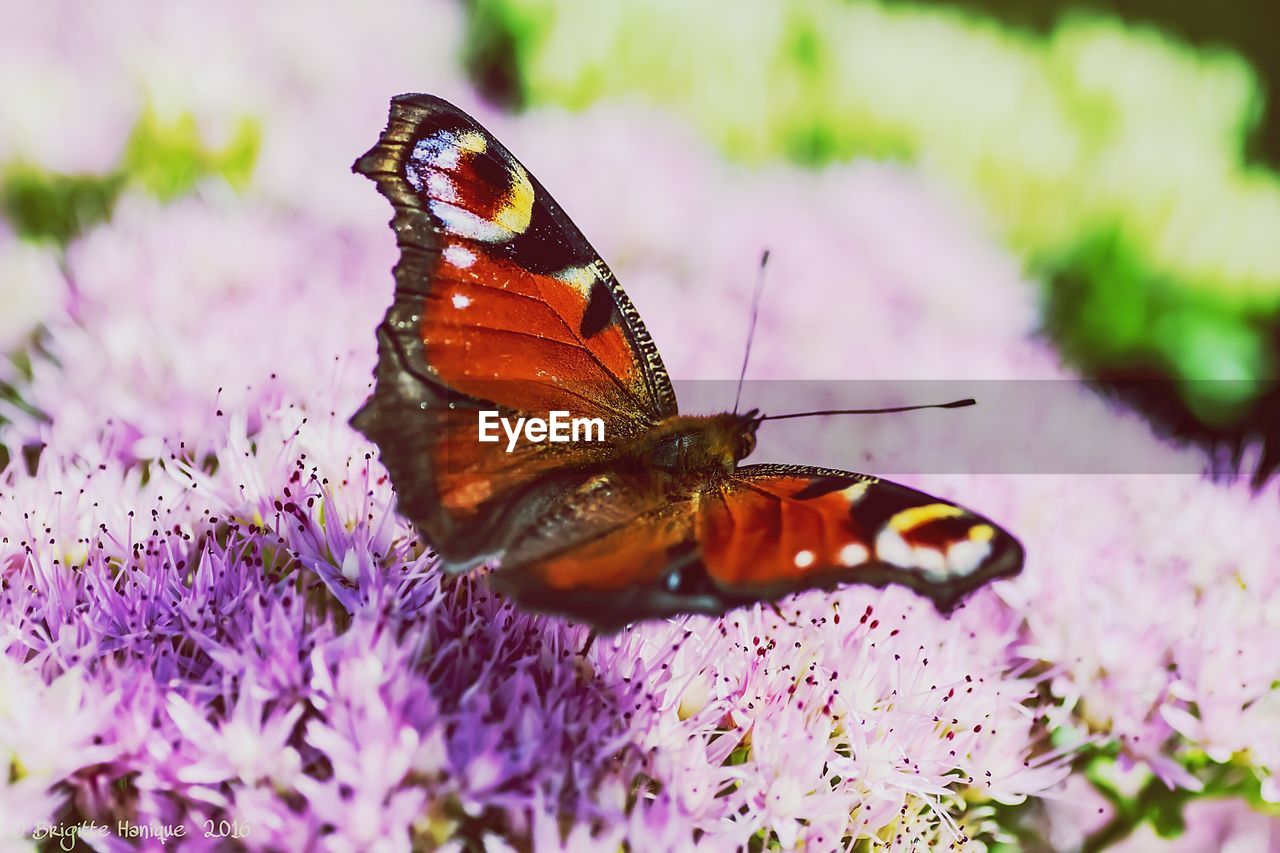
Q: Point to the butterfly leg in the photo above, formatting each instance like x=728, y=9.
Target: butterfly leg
x=581, y=663
x=591, y=639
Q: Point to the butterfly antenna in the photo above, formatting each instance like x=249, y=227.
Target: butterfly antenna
x=751, y=330
x=954, y=404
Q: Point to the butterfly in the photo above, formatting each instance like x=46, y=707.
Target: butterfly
x=503, y=310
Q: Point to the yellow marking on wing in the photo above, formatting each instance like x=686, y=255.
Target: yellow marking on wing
x=982, y=533
x=854, y=493
x=517, y=210
x=581, y=278
x=472, y=142
x=910, y=519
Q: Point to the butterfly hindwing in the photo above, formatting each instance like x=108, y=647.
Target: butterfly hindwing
x=617, y=553
x=467, y=497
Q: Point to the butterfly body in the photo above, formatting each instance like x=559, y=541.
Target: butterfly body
x=684, y=446
x=502, y=306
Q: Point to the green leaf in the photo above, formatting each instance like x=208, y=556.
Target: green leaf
x=53, y=207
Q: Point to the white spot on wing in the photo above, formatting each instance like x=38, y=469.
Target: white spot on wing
x=930, y=560
x=464, y=223
x=891, y=548
x=460, y=301
x=459, y=256
x=804, y=559
x=439, y=186
x=440, y=151
x=965, y=556
x=853, y=554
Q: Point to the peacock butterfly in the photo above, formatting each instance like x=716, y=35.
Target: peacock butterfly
x=502, y=308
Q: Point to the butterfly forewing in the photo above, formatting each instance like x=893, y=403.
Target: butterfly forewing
x=500, y=304
x=506, y=300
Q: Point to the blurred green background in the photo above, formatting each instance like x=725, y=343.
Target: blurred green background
x=1125, y=152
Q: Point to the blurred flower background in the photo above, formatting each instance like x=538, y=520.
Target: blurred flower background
x=212, y=616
